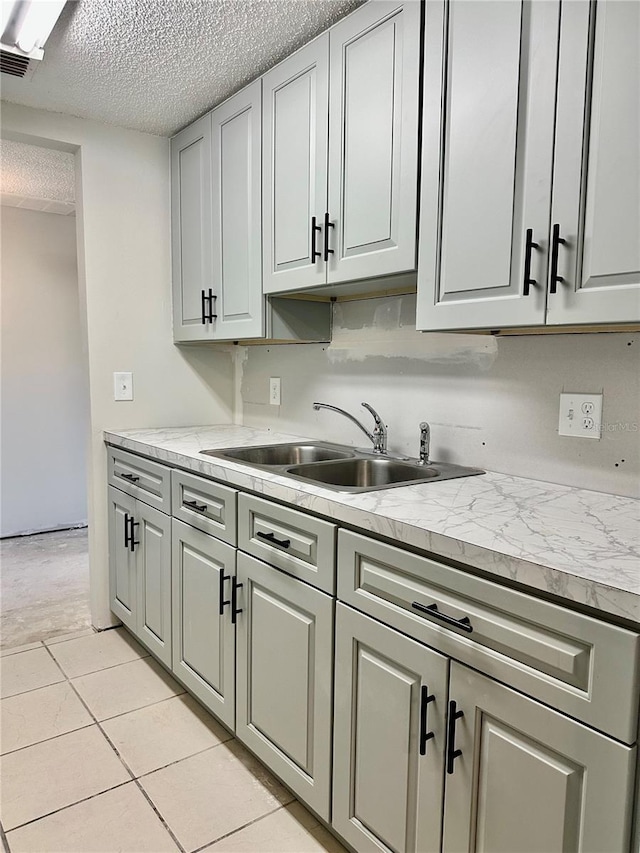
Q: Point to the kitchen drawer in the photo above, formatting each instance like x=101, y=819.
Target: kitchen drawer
x=578, y=664
x=299, y=544
x=204, y=504
x=141, y=478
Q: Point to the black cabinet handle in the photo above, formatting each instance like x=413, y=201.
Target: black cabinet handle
x=314, y=228
x=556, y=242
x=207, y=302
x=425, y=698
x=529, y=245
x=203, y=306
x=432, y=610
x=235, y=610
x=212, y=299
x=126, y=529
x=131, y=478
x=271, y=537
x=132, y=540
x=223, y=600
x=327, y=225
x=452, y=752
x=195, y=506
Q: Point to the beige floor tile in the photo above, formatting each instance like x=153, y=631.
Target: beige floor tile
x=119, y=820
x=27, y=671
x=289, y=830
x=124, y=688
x=160, y=734
x=62, y=638
x=40, y=714
x=17, y=649
x=210, y=794
x=57, y=773
x=98, y=651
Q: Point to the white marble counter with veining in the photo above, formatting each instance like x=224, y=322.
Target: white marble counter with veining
x=580, y=545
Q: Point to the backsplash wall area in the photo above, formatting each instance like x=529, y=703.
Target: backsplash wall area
x=491, y=401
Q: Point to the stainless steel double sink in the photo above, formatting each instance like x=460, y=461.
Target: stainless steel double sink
x=344, y=469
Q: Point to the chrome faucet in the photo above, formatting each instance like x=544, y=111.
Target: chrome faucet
x=425, y=440
x=379, y=435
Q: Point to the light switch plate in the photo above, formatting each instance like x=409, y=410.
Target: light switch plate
x=580, y=415
x=274, y=391
x=123, y=386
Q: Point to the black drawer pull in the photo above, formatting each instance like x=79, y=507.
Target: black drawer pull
x=314, y=228
x=235, y=610
x=131, y=478
x=212, y=298
x=425, y=698
x=223, y=600
x=271, y=537
x=432, y=610
x=126, y=529
x=129, y=539
x=452, y=752
x=529, y=245
x=203, y=306
x=556, y=242
x=327, y=225
x=195, y=506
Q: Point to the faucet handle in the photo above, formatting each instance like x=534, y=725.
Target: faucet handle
x=376, y=416
x=425, y=440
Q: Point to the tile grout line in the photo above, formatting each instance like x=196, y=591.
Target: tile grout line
x=124, y=764
x=5, y=840
x=240, y=828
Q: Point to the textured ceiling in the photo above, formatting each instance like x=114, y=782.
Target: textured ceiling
x=155, y=65
x=32, y=172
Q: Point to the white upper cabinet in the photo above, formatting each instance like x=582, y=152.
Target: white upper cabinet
x=530, y=197
x=596, y=180
x=191, y=231
x=295, y=121
x=489, y=88
x=373, y=141
x=340, y=150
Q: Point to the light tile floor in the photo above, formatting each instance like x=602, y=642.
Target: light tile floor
x=103, y=751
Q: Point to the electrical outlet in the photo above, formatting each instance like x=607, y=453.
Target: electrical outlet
x=274, y=391
x=580, y=415
x=123, y=386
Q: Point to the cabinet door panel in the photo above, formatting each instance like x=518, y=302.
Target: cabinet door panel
x=596, y=196
x=123, y=591
x=489, y=91
x=203, y=639
x=530, y=779
x=284, y=657
x=153, y=567
x=386, y=795
x=191, y=229
x=295, y=116
x=373, y=133
x=237, y=237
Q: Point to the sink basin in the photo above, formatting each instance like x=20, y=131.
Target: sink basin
x=365, y=474
x=282, y=454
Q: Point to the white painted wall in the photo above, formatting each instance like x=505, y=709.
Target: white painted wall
x=491, y=402
x=44, y=412
x=123, y=218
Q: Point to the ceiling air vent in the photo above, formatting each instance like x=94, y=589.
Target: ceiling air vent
x=11, y=63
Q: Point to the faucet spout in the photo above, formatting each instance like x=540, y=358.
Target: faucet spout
x=379, y=435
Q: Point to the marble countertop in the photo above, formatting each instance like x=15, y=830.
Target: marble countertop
x=579, y=545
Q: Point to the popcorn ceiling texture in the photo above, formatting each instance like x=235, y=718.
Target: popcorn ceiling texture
x=35, y=172
x=156, y=65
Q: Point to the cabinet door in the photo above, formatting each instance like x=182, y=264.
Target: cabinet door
x=284, y=684
x=294, y=152
x=487, y=156
x=373, y=141
x=529, y=779
x=203, y=635
x=191, y=230
x=123, y=590
x=237, y=237
x=596, y=182
x=152, y=537
x=387, y=777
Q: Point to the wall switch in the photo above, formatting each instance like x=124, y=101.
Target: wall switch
x=274, y=391
x=580, y=415
x=123, y=386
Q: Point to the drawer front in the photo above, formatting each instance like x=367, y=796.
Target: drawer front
x=297, y=543
x=141, y=478
x=578, y=664
x=204, y=504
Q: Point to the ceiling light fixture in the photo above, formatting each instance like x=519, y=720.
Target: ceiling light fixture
x=27, y=24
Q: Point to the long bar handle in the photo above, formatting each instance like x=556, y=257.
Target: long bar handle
x=425, y=699
x=452, y=752
x=327, y=225
x=529, y=246
x=432, y=610
x=223, y=601
x=556, y=242
x=235, y=610
x=271, y=537
x=314, y=228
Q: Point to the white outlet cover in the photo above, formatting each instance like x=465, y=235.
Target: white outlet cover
x=123, y=386
x=274, y=391
x=580, y=415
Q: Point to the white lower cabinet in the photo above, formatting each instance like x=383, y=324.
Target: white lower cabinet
x=284, y=659
x=517, y=776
